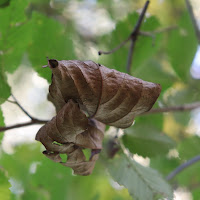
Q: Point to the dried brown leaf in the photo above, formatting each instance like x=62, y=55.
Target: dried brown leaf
x=87, y=96
x=68, y=133
x=109, y=96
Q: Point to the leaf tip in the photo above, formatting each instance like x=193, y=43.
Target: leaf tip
x=53, y=63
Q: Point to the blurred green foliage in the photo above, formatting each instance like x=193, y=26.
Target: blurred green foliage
x=35, y=30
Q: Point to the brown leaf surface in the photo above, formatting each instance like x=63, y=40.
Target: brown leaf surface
x=69, y=132
x=109, y=96
x=87, y=96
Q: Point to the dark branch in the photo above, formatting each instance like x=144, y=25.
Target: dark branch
x=153, y=34
x=130, y=57
x=132, y=36
x=182, y=167
x=18, y=104
x=116, y=48
x=33, y=122
x=185, y=107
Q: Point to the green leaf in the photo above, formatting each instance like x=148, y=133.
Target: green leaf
x=189, y=147
x=146, y=140
x=50, y=39
x=143, y=48
x=185, y=95
x=196, y=194
x=164, y=164
x=4, y=88
x=182, y=46
x=151, y=119
x=154, y=71
x=4, y=186
x=41, y=178
x=16, y=34
x=141, y=182
x=4, y=3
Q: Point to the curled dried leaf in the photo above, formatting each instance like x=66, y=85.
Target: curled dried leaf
x=109, y=96
x=87, y=96
x=68, y=133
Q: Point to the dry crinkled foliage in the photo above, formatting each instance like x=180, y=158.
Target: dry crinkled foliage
x=87, y=96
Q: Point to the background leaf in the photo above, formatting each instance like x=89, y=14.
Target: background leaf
x=146, y=140
x=4, y=186
x=4, y=88
x=142, y=182
x=58, y=44
x=143, y=49
x=184, y=35
x=16, y=34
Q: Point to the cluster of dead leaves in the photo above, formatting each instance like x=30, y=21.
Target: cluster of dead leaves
x=87, y=96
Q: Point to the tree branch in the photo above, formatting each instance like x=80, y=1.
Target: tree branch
x=182, y=167
x=32, y=122
x=116, y=48
x=18, y=104
x=180, y=108
x=130, y=57
x=133, y=37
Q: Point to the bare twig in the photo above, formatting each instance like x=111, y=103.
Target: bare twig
x=142, y=33
x=185, y=107
x=196, y=28
x=10, y=101
x=33, y=122
x=181, y=108
x=116, y=48
x=130, y=57
x=133, y=37
x=153, y=34
x=18, y=104
x=182, y=167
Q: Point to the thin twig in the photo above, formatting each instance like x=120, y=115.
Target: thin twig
x=33, y=122
x=142, y=33
x=116, y=48
x=18, y=104
x=134, y=36
x=130, y=57
x=10, y=101
x=182, y=167
x=194, y=21
x=166, y=29
x=153, y=34
x=185, y=107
